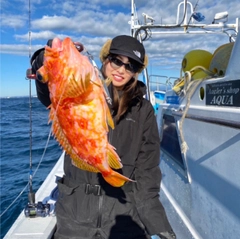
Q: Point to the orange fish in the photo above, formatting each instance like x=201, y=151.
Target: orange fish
x=79, y=111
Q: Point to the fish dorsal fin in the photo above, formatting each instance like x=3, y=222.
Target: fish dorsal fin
x=108, y=113
x=109, y=118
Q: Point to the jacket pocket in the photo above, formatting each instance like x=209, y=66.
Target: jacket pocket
x=73, y=203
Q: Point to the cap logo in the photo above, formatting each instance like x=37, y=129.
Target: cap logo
x=137, y=53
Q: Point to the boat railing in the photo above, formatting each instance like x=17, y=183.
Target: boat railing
x=161, y=83
x=158, y=86
x=149, y=27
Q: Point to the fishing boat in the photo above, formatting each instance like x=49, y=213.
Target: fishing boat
x=198, y=115
x=199, y=125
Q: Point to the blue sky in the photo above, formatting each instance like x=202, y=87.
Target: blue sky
x=92, y=24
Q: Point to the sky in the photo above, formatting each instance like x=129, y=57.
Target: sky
x=26, y=25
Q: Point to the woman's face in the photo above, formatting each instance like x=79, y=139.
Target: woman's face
x=120, y=75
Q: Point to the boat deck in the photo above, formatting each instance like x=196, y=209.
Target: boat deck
x=39, y=227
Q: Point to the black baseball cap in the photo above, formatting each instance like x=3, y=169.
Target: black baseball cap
x=128, y=46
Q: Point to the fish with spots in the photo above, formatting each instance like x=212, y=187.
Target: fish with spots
x=79, y=112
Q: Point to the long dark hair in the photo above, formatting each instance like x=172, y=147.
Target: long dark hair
x=130, y=95
x=122, y=100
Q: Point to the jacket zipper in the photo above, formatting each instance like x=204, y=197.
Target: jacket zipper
x=100, y=202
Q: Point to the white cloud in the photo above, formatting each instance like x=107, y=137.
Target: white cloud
x=18, y=49
x=12, y=21
x=43, y=35
x=93, y=24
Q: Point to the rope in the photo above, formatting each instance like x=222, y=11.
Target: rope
x=188, y=90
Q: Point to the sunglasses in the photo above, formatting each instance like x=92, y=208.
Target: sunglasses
x=116, y=63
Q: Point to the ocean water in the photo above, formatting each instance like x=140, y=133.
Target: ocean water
x=15, y=153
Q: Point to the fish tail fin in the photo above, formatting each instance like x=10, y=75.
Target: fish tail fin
x=116, y=179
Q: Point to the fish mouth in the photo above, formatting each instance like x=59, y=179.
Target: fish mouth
x=57, y=43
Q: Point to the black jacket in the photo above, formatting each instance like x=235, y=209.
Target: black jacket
x=88, y=207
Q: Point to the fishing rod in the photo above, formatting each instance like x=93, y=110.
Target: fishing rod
x=32, y=209
x=31, y=194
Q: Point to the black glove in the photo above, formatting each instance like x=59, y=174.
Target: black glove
x=37, y=58
x=167, y=235
x=36, y=63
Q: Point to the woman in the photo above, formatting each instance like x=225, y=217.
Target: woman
x=87, y=206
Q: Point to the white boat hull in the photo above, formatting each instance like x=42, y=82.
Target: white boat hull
x=202, y=184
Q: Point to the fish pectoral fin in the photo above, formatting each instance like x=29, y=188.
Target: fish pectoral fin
x=79, y=163
x=116, y=179
x=113, y=159
x=77, y=86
